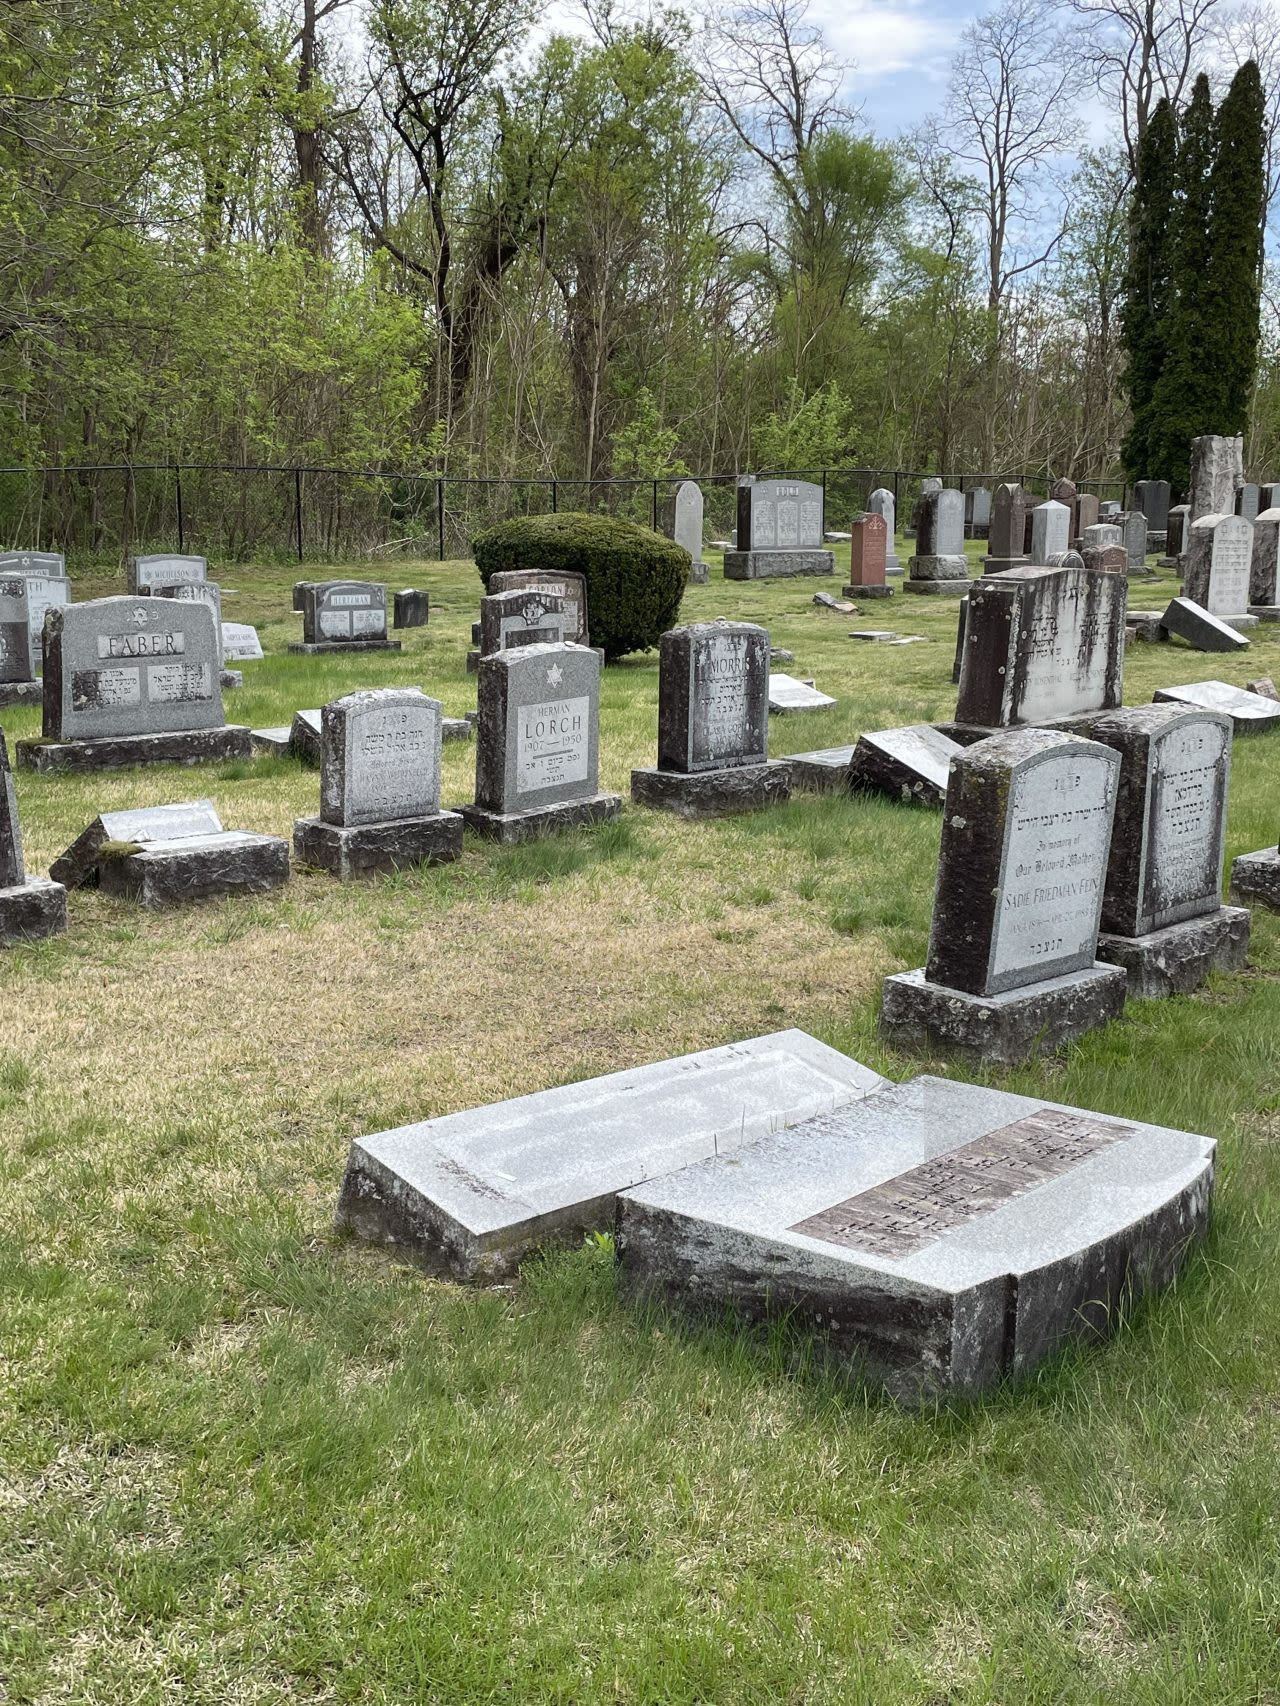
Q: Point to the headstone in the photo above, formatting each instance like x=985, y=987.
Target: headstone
x=537, y=753
x=1050, y=530
x=344, y=616
x=196, y=867
x=240, y=641
x=1176, y=532
x=906, y=764
x=379, y=787
x=1163, y=919
x=682, y=521
x=44, y=592
x=780, y=531
x=148, y=574
x=1207, y=633
x=304, y=735
x=881, y=502
x=1100, y=534
x=1107, y=560
x=51, y=565
x=567, y=586
x=199, y=592
x=1064, y=492
x=131, y=681
x=1218, y=561
x=1067, y=559
x=1250, y=713
x=1108, y=510
x=412, y=608
x=16, y=663
x=1041, y=645
x=1217, y=468
x=471, y=1194
x=1264, y=581
x=1011, y=968
x=713, y=724
x=1152, y=498
x=1134, y=525
x=867, y=557
x=300, y=594
x=786, y=694
x=532, y=618
x=939, y=565
x=1246, y=503
x=1265, y=686
x=1268, y=497
x=938, y=1238
x=1008, y=525
x=78, y=865
x=977, y=512
x=1086, y=514
x=31, y=908
x=822, y=771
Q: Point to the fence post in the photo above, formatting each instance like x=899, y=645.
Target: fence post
x=440, y=516
x=555, y=497
x=896, y=473
x=655, y=506
x=177, y=479
x=297, y=510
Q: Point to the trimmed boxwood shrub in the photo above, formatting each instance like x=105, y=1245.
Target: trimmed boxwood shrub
x=635, y=577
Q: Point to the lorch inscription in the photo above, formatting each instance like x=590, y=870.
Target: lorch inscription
x=552, y=744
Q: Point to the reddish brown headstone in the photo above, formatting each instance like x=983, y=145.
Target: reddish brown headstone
x=867, y=556
x=1114, y=559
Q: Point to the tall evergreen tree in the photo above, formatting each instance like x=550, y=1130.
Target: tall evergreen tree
x=1182, y=396
x=1148, y=284
x=1237, y=194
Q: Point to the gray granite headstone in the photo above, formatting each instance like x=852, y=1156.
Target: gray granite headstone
x=1250, y=713
x=682, y=521
x=1176, y=532
x=539, y=733
x=129, y=666
x=941, y=529
x=521, y=618
x=148, y=573
x=1247, y=500
x=334, y=611
x=1004, y=541
x=881, y=503
x=780, y=515
x=1050, y=530
x=31, y=908
x=380, y=757
x=1264, y=581
x=567, y=586
x=1022, y=866
x=44, y=592
x=1134, y=525
x=1152, y=498
x=1100, y=534
x=1219, y=558
x=15, y=631
x=713, y=696
x=50, y=563
x=199, y=592
x=12, y=869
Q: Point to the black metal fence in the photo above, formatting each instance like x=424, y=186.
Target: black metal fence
x=105, y=512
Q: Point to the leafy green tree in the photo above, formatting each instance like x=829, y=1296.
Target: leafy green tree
x=1237, y=193
x=1149, y=282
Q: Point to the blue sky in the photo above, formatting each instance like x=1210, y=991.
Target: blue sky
x=901, y=50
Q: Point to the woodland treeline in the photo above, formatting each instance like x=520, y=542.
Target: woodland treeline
x=428, y=234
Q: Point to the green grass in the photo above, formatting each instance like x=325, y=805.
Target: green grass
x=243, y=1459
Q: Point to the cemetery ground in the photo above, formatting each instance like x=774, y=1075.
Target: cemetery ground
x=243, y=1459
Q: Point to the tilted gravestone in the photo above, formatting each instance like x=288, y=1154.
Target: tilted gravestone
x=780, y=531
x=939, y=565
x=1050, y=531
x=343, y=616
x=148, y=574
x=131, y=681
x=1217, y=468
x=532, y=618
x=1250, y=713
x=379, y=787
x=1008, y=526
x=1207, y=633
x=1011, y=968
x=682, y=521
x=905, y=764
x=537, y=744
x=881, y=502
x=1264, y=581
x=1246, y=503
x=1219, y=557
x=868, y=546
x=1041, y=645
x=77, y=866
x=31, y=908
x=170, y=855
x=937, y=1237
x=713, y=724
x=1163, y=919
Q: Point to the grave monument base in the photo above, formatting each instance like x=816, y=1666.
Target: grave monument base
x=823, y=771
x=1146, y=625
x=1255, y=879
x=1000, y=565
x=699, y=574
x=1265, y=612
x=322, y=648
x=776, y=565
x=1156, y=542
x=713, y=793
x=118, y=752
x=195, y=867
x=909, y=764
x=31, y=911
x=1178, y=959
x=512, y=827
x=879, y=590
x=21, y=693
x=231, y=679
x=364, y=850
x=1036, y=1019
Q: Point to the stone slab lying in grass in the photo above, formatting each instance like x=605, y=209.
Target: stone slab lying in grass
x=79, y=864
x=786, y=694
x=907, y=764
x=472, y=1193
x=937, y=1237
x=1201, y=629
x=1250, y=713
x=822, y=771
x=198, y=867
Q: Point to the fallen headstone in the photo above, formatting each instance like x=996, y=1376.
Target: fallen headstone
x=78, y=865
x=912, y=763
x=786, y=694
x=822, y=771
x=1250, y=713
x=1200, y=628
x=843, y=605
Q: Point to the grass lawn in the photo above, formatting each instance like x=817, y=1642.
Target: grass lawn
x=245, y=1460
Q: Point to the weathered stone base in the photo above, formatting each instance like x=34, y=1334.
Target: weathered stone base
x=823, y=771
x=31, y=911
x=1156, y=542
x=1255, y=879
x=699, y=574
x=1178, y=959
x=364, y=850
x=776, y=565
x=713, y=793
x=196, y=867
x=938, y=588
x=878, y=590
x=456, y=728
x=273, y=742
x=1146, y=625
x=512, y=827
x=322, y=648
x=1265, y=612
x=999, y=565
x=192, y=746
x=1008, y=1028
x=21, y=693
x=1239, y=622
x=231, y=679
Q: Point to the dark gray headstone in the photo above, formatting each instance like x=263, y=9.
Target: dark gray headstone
x=1025, y=837
x=1008, y=525
x=15, y=631
x=343, y=610
x=412, y=608
x=12, y=869
x=780, y=515
x=130, y=666
x=713, y=696
x=532, y=618
x=1176, y=532
x=1152, y=498
x=147, y=574
x=1041, y=644
x=539, y=731
x=1264, y=581
x=1247, y=497
x=941, y=527
x=1219, y=555
x=567, y=586
x=380, y=757
x=1207, y=633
